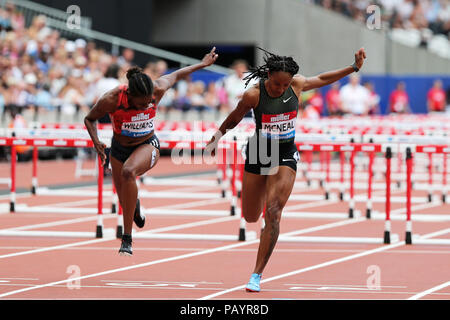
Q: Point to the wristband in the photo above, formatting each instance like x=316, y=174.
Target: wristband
x=355, y=68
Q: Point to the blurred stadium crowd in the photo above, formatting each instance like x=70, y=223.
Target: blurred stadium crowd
x=431, y=14
x=45, y=77
x=417, y=23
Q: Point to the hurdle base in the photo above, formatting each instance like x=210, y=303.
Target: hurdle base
x=368, y=213
x=350, y=213
x=408, y=237
x=249, y=235
x=364, y=240
x=242, y=234
x=119, y=232
x=387, y=237
x=99, y=232
x=12, y=207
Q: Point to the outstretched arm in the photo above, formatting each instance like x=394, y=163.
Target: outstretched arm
x=249, y=100
x=165, y=82
x=329, y=77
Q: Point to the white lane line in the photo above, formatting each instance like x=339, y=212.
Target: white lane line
x=429, y=291
x=313, y=267
x=68, y=245
x=318, y=266
x=82, y=243
x=175, y=258
x=19, y=278
x=54, y=223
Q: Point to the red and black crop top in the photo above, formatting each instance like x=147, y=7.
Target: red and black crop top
x=131, y=122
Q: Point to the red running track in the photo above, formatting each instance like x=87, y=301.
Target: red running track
x=64, y=268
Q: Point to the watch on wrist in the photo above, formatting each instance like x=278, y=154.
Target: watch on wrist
x=355, y=67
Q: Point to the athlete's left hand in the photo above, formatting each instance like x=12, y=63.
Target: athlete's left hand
x=210, y=58
x=360, y=55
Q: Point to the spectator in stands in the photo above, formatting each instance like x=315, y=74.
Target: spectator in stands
x=235, y=85
x=167, y=102
x=72, y=97
x=436, y=98
x=105, y=84
x=157, y=69
x=43, y=100
x=438, y=16
x=313, y=105
x=374, y=98
x=212, y=98
x=38, y=28
x=316, y=101
x=196, y=97
x=399, y=99
x=127, y=58
x=17, y=121
x=333, y=101
x=354, y=97
x=433, y=15
x=2, y=102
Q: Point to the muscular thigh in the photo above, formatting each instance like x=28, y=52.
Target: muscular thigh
x=253, y=195
x=142, y=159
x=279, y=187
x=116, y=167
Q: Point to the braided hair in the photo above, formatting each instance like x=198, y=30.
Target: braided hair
x=139, y=84
x=273, y=63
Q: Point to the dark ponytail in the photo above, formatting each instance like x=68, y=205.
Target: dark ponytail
x=272, y=63
x=139, y=84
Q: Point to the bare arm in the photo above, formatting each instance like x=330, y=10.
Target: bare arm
x=329, y=77
x=165, y=82
x=106, y=104
x=249, y=101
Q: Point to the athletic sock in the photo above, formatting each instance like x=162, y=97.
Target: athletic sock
x=126, y=237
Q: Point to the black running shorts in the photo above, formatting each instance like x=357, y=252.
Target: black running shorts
x=262, y=162
x=122, y=153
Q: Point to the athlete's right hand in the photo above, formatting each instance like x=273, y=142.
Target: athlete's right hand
x=100, y=148
x=211, y=147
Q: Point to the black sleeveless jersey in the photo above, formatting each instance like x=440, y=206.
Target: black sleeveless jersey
x=275, y=118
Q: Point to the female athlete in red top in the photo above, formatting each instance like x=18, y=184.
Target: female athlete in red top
x=134, y=146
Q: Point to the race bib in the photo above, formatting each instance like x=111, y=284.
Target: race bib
x=140, y=125
x=278, y=126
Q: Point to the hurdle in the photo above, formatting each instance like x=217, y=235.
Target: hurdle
x=14, y=208
x=409, y=237
x=235, y=212
x=387, y=236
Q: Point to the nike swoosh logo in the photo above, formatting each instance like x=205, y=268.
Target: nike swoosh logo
x=284, y=101
x=288, y=159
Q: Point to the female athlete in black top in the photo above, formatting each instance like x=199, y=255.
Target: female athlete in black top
x=269, y=176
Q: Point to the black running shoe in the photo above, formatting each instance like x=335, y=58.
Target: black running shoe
x=138, y=218
x=125, y=248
